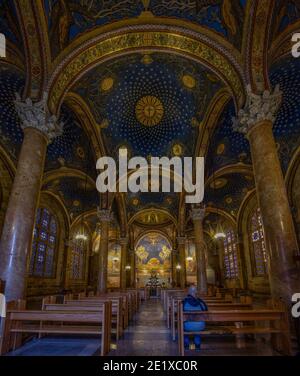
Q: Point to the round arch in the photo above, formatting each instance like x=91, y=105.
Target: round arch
x=110, y=45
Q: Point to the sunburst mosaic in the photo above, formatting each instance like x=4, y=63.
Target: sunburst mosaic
x=149, y=111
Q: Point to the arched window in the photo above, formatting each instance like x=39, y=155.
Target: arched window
x=230, y=256
x=44, y=245
x=258, y=248
x=77, y=262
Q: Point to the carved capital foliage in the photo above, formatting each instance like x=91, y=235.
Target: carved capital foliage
x=259, y=107
x=36, y=115
x=104, y=215
x=197, y=214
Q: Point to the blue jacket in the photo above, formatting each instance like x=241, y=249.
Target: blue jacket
x=194, y=304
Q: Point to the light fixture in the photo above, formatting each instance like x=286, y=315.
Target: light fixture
x=220, y=235
x=178, y=267
x=128, y=267
x=81, y=236
x=189, y=258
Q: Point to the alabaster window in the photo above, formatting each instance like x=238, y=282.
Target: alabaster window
x=258, y=248
x=78, y=253
x=44, y=245
x=230, y=256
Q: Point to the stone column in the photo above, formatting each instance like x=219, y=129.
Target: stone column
x=197, y=215
x=15, y=247
x=181, y=257
x=105, y=218
x=174, y=264
x=256, y=122
x=132, y=269
x=220, y=245
x=124, y=245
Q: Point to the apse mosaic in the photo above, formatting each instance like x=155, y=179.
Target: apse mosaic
x=149, y=103
x=287, y=126
x=153, y=252
x=69, y=19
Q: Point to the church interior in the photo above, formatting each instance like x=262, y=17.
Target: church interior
x=83, y=79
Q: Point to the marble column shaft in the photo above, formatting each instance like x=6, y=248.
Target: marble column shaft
x=181, y=257
x=200, y=249
x=277, y=220
x=256, y=121
x=124, y=245
x=105, y=218
x=20, y=215
x=15, y=245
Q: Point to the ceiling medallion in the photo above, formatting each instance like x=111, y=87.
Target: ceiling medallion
x=188, y=81
x=177, y=150
x=147, y=59
x=218, y=183
x=149, y=111
x=107, y=84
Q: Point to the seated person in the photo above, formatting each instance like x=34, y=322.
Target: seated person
x=192, y=303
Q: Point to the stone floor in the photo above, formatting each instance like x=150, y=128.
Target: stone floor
x=147, y=335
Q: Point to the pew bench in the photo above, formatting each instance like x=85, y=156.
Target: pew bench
x=237, y=322
x=95, y=305
x=211, y=306
x=20, y=322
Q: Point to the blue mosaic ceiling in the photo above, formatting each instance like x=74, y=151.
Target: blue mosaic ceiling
x=69, y=19
x=229, y=195
x=287, y=125
x=71, y=150
x=136, y=202
x=226, y=147
x=77, y=195
x=11, y=82
x=286, y=13
x=181, y=88
x=9, y=24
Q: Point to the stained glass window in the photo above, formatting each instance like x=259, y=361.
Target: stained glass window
x=230, y=256
x=78, y=252
x=259, y=253
x=43, y=245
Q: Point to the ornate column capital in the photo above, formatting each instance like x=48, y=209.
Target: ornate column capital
x=181, y=240
x=104, y=215
x=259, y=107
x=197, y=214
x=123, y=241
x=36, y=115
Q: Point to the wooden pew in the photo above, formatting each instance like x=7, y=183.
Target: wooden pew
x=110, y=296
x=277, y=320
x=5, y=340
x=211, y=306
x=96, y=305
x=87, y=323
x=207, y=299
